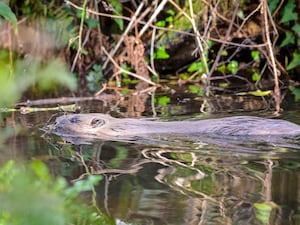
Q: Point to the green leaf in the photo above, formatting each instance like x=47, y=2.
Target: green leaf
x=224, y=53
x=288, y=13
x=255, y=55
x=296, y=28
x=118, y=8
x=171, y=12
x=6, y=12
x=196, y=89
x=272, y=5
x=196, y=66
x=263, y=211
x=92, y=23
x=255, y=77
x=161, y=23
x=289, y=39
x=258, y=93
x=164, y=100
x=222, y=68
x=296, y=92
x=161, y=53
x=169, y=19
x=233, y=66
x=241, y=14
x=295, y=61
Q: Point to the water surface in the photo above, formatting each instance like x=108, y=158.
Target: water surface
x=208, y=181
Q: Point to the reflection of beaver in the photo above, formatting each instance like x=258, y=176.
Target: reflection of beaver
x=101, y=126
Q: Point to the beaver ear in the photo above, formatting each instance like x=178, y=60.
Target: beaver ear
x=96, y=122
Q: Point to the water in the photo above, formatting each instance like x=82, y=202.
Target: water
x=211, y=181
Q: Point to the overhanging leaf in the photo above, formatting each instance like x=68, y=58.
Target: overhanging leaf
x=6, y=12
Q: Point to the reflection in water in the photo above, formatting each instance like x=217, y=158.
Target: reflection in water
x=190, y=183
x=209, y=181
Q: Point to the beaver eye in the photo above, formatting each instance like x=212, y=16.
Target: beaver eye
x=74, y=119
x=97, y=122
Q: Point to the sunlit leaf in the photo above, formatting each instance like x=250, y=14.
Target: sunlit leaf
x=163, y=101
x=161, y=23
x=263, y=211
x=171, y=12
x=233, y=66
x=222, y=68
x=259, y=93
x=7, y=14
x=255, y=77
x=255, y=55
x=196, y=90
x=161, y=53
x=196, y=66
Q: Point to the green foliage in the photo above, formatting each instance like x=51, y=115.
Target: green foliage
x=19, y=75
x=34, y=9
x=255, y=55
x=288, y=13
x=94, y=78
x=169, y=19
x=289, y=39
x=272, y=5
x=161, y=53
x=263, y=211
x=163, y=101
x=196, y=67
x=295, y=61
x=8, y=15
x=258, y=93
x=29, y=195
x=196, y=90
x=255, y=77
x=295, y=91
x=117, y=11
x=289, y=19
x=233, y=66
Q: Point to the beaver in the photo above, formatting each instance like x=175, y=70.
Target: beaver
x=106, y=127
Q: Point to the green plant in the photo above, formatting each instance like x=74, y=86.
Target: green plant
x=168, y=19
x=8, y=15
x=161, y=53
x=196, y=90
x=289, y=18
x=163, y=101
x=117, y=11
x=94, y=78
x=233, y=66
x=29, y=195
